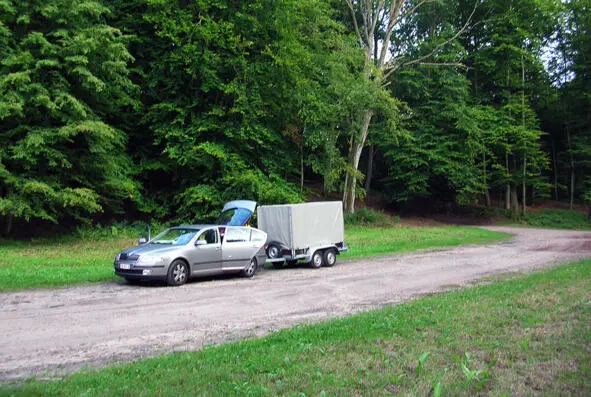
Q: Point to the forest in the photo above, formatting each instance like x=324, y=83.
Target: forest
x=164, y=109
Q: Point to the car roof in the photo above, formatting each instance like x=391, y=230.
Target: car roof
x=203, y=226
x=192, y=226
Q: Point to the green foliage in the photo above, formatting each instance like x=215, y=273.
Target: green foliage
x=137, y=108
x=557, y=219
x=63, y=77
x=369, y=217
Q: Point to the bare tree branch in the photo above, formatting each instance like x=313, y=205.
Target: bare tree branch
x=392, y=18
x=456, y=64
x=375, y=17
x=446, y=42
x=407, y=13
x=350, y=4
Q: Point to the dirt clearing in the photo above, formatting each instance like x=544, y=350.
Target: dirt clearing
x=51, y=332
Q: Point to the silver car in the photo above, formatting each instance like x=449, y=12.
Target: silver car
x=182, y=252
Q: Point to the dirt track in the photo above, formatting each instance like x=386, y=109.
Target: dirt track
x=49, y=332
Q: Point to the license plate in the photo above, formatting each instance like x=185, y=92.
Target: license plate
x=125, y=266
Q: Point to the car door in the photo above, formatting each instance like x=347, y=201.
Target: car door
x=237, y=249
x=206, y=254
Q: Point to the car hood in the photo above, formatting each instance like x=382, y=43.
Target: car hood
x=151, y=249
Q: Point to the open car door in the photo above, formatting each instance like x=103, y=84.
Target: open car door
x=237, y=213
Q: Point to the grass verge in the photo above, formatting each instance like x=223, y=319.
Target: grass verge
x=553, y=219
x=366, y=241
x=527, y=335
x=47, y=263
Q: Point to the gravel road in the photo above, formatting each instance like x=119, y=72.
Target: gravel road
x=47, y=333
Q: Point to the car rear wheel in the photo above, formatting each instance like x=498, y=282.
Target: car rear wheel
x=178, y=273
x=330, y=258
x=317, y=260
x=251, y=269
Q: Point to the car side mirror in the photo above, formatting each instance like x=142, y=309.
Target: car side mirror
x=142, y=241
x=199, y=243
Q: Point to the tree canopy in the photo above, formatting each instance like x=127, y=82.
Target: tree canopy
x=134, y=109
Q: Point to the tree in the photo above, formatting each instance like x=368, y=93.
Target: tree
x=376, y=24
x=63, y=78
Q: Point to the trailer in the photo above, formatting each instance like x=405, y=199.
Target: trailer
x=309, y=232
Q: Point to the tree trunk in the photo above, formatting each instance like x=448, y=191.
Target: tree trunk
x=514, y=203
x=523, y=186
x=508, y=187
x=555, y=163
x=8, y=226
x=302, y=160
x=369, y=173
x=354, y=156
x=485, y=180
x=572, y=169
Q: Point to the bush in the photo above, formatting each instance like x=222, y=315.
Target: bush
x=557, y=219
x=370, y=217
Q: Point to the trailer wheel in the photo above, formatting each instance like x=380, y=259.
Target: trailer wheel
x=330, y=258
x=317, y=260
x=273, y=251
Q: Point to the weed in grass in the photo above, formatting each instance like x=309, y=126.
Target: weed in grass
x=422, y=361
x=437, y=390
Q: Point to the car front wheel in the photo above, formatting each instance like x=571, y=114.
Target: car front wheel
x=178, y=273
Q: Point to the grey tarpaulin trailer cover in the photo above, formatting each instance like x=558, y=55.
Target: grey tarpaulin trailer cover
x=311, y=231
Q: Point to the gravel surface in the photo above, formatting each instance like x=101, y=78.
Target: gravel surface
x=48, y=333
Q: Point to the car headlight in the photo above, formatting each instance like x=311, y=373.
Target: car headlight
x=118, y=256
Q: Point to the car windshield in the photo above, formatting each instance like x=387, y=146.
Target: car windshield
x=235, y=217
x=175, y=236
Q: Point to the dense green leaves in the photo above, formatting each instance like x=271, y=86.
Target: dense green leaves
x=167, y=109
x=63, y=76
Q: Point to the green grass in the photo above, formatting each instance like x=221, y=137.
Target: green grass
x=365, y=241
x=525, y=335
x=69, y=261
x=554, y=219
x=47, y=263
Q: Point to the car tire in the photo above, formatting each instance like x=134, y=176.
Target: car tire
x=317, y=260
x=250, y=270
x=178, y=273
x=330, y=258
x=273, y=251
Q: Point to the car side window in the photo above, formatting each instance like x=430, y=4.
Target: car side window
x=257, y=235
x=210, y=236
x=237, y=234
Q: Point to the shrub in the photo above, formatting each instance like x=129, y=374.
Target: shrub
x=370, y=217
x=560, y=219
